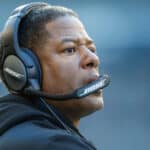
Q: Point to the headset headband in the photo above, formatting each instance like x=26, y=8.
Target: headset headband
x=12, y=25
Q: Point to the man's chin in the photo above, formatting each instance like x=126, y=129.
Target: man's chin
x=97, y=101
x=94, y=103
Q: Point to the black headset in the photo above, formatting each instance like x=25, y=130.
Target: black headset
x=19, y=67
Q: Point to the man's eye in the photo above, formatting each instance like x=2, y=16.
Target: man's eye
x=70, y=50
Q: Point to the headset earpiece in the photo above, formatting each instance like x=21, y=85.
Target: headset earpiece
x=23, y=72
x=19, y=67
x=14, y=73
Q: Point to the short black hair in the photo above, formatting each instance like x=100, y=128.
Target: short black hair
x=32, y=29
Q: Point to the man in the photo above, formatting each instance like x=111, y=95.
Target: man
x=68, y=60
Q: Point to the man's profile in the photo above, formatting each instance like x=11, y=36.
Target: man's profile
x=46, y=48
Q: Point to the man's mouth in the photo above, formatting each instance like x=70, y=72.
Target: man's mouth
x=91, y=79
x=98, y=92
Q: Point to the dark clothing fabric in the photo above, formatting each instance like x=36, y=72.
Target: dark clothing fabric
x=30, y=125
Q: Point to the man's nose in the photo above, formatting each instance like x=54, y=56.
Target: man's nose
x=89, y=59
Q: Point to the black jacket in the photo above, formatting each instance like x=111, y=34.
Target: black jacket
x=30, y=125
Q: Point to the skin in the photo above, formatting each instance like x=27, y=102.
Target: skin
x=69, y=61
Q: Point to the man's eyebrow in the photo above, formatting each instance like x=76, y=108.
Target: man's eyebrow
x=68, y=40
x=88, y=41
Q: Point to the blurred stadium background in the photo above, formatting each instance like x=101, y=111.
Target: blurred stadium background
x=121, y=31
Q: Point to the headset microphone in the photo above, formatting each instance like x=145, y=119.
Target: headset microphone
x=81, y=92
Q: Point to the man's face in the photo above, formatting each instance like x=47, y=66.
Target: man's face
x=69, y=61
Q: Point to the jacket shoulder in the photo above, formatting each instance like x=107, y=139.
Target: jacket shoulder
x=33, y=135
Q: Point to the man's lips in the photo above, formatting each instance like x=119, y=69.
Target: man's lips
x=91, y=78
x=98, y=92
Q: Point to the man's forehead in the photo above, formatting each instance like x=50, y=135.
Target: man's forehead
x=71, y=36
x=65, y=25
x=68, y=29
